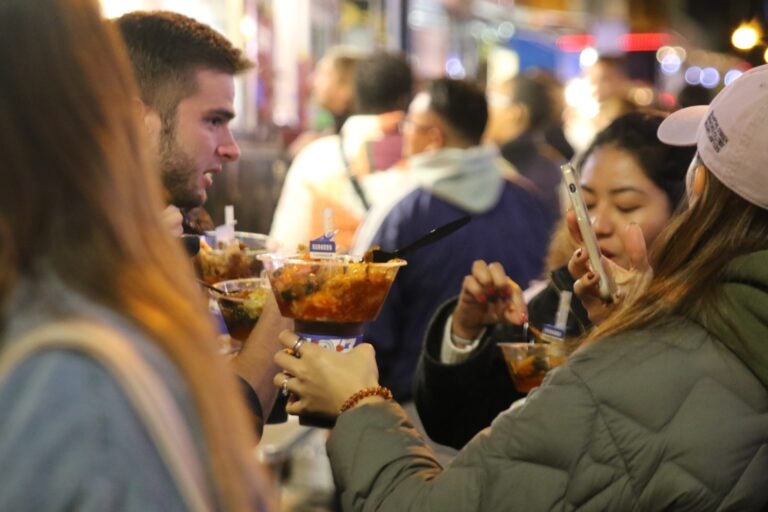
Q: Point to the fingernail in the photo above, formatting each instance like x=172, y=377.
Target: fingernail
x=524, y=317
x=481, y=298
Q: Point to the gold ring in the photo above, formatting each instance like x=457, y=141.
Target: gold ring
x=297, y=347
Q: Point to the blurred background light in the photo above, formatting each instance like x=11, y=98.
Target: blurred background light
x=588, y=57
x=693, y=75
x=731, y=75
x=506, y=30
x=248, y=27
x=710, y=77
x=578, y=95
x=746, y=36
x=455, y=68
x=671, y=64
x=643, y=96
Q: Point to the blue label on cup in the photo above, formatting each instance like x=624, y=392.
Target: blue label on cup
x=323, y=247
x=331, y=342
x=555, y=332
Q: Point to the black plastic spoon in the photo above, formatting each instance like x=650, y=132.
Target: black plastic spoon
x=213, y=288
x=379, y=256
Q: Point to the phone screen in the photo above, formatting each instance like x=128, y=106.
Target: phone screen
x=570, y=177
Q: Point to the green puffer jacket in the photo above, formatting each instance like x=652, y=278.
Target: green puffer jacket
x=665, y=418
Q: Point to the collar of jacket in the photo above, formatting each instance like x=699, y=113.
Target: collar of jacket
x=469, y=178
x=739, y=319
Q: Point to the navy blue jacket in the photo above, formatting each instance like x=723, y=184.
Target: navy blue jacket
x=514, y=232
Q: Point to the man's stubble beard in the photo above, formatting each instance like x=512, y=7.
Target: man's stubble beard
x=177, y=170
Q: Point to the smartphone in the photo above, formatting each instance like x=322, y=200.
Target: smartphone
x=570, y=178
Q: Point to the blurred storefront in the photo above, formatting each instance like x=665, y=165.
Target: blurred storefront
x=666, y=46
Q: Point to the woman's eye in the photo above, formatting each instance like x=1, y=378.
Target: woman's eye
x=628, y=209
x=589, y=205
x=216, y=121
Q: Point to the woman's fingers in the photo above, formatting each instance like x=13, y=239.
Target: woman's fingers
x=474, y=289
x=578, y=265
x=498, y=276
x=516, y=311
x=634, y=245
x=586, y=284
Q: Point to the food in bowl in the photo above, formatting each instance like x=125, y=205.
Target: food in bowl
x=528, y=363
x=241, y=304
x=218, y=261
x=339, y=290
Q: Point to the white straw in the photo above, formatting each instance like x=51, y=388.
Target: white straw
x=563, y=308
x=328, y=221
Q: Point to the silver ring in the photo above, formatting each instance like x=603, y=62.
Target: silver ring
x=297, y=347
x=284, y=387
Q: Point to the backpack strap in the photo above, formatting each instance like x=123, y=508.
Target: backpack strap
x=145, y=390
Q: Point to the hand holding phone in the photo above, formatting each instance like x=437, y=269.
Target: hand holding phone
x=570, y=178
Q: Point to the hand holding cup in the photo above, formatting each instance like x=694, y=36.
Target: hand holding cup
x=320, y=380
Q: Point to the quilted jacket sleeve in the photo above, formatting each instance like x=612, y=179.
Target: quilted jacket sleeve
x=535, y=457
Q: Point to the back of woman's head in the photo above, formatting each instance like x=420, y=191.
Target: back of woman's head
x=74, y=177
x=635, y=133
x=79, y=201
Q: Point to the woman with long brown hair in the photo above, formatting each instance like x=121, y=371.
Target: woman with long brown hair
x=83, y=255
x=666, y=406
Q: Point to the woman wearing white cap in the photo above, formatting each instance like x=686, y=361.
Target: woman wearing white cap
x=666, y=406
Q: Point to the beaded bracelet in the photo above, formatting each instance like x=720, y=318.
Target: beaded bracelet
x=350, y=402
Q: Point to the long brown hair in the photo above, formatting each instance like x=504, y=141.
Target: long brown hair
x=689, y=257
x=78, y=199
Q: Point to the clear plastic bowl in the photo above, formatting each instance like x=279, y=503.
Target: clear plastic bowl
x=528, y=363
x=216, y=262
x=342, y=290
x=241, y=307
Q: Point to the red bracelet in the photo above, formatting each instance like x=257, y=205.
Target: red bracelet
x=350, y=402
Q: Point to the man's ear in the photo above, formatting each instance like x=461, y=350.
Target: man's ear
x=150, y=118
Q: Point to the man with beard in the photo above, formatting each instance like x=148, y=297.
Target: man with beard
x=185, y=71
x=186, y=74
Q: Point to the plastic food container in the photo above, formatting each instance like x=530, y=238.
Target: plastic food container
x=241, y=307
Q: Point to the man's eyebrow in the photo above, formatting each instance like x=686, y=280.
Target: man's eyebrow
x=222, y=112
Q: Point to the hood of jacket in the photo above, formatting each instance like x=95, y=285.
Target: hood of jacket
x=741, y=317
x=472, y=178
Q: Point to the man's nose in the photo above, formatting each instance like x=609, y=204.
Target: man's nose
x=228, y=149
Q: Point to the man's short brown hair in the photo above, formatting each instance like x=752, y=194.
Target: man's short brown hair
x=167, y=48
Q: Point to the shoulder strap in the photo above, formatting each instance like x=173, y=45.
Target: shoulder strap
x=352, y=178
x=144, y=388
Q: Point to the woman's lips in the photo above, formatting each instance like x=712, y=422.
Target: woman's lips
x=608, y=254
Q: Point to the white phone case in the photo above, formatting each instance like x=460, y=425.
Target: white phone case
x=607, y=286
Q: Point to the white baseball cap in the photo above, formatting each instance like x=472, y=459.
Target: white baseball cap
x=730, y=135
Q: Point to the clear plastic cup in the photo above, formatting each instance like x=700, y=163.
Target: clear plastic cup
x=240, y=259
x=242, y=304
x=528, y=363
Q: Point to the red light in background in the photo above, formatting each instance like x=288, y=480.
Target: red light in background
x=636, y=42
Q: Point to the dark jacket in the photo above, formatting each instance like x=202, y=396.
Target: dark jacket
x=526, y=155
x=673, y=416
x=434, y=274
x=438, y=387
